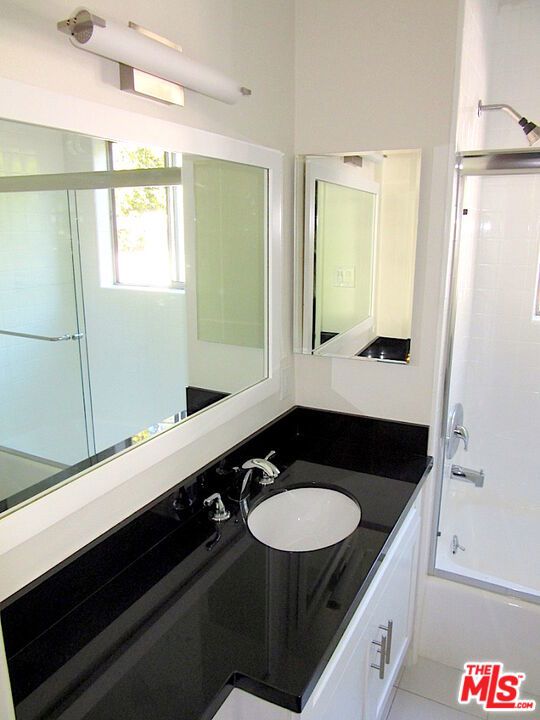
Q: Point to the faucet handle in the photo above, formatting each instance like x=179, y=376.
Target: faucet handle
x=269, y=470
x=270, y=455
x=220, y=512
x=462, y=433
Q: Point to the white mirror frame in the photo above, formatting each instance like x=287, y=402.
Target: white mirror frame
x=34, y=105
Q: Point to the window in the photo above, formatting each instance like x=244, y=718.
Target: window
x=147, y=223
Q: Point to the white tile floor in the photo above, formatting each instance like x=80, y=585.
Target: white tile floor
x=408, y=706
x=428, y=691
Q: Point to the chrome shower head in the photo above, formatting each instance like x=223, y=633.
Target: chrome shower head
x=531, y=130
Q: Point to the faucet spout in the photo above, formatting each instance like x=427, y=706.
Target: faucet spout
x=269, y=472
x=268, y=468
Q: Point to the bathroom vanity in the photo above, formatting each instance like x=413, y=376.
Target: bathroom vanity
x=173, y=616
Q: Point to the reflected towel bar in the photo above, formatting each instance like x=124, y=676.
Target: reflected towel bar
x=54, y=338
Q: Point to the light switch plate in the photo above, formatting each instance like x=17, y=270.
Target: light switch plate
x=344, y=277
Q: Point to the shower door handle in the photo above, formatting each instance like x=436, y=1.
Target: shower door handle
x=48, y=338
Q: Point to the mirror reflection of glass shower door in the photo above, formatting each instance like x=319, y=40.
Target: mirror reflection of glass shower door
x=489, y=523
x=42, y=419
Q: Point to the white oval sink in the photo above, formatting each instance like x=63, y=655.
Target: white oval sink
x=304, y=519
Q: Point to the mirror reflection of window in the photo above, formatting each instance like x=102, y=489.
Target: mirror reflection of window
x=147, y=223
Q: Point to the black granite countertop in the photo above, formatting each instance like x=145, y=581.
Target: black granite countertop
x=164, y=617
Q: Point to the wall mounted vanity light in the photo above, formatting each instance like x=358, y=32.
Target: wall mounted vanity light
x=532, y=131
x=149, y=64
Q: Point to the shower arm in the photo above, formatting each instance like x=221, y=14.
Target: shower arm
x=499, y=106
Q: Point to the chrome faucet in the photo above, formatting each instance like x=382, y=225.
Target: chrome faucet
x=269, y=471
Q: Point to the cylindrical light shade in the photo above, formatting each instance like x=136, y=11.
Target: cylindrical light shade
x=125, y=45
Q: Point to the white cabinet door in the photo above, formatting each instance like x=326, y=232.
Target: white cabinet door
x=342, y=696
x=350, y=689
x=393, y=608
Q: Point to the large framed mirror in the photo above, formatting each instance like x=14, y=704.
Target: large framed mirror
x=134, y=293
x=356, y=250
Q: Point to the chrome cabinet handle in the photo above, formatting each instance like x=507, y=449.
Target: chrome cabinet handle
x=382, y=652
x=388, y=630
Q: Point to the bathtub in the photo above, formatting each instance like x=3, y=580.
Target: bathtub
x=499, y=617
x=500, y=540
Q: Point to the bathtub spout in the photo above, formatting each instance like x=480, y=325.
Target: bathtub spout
x=467, y=475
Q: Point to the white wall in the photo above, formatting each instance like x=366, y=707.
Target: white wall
x=474, y=68
x=233, y=36
x=513, y=60
x=359, y=86
x=396, y=252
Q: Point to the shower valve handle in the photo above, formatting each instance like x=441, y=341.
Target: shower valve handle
x=463, y=434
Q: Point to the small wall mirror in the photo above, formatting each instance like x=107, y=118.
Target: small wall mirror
x=356, y=249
